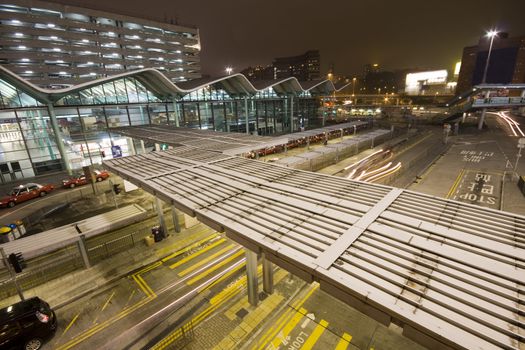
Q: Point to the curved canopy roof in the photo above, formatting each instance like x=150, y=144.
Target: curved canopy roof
x=236, y=85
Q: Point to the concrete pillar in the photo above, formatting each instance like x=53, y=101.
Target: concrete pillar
x=58, y=138
x=482, y=118
x=251, y=273
x=131, y=146
x=176, y=112
x=175, y=217
x=160, y=214
x=247, y=115
x=342, y=134
x=142, y=146
x=355, y=130
x=308, y=142
x=285, y=111
x=267, y=275
x=83, y=251
x=291, y=114
x=157, y=147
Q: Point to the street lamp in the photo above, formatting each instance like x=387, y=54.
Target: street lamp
x=490, y=34
x=229, y=70
x=353, y=86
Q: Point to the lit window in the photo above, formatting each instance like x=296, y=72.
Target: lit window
x=51, y=25
x=25, y=59
x=87, y=52
x=141, y=66
x=90, y=62
x=56, y=49
x=53, y=37
x=15, y=21
x=135, y=37
x=19, y=34
x=85, y=40
x=29, y=72
x=22, y=47
x=92, y=73
x=178, y=51
x=62, y=73
x=60, y=61
x=161, y=59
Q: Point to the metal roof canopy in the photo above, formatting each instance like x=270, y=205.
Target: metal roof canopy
x=449, y=272
x=231, y=143
x=237, y=85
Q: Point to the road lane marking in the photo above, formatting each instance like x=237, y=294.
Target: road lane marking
x=151, y=293
x=455, y=184
x=316, y=334
x=130, y=296
x=215, y=267
x=283, y=334
x=104, y=307
x=222, y=297
x=185, y=249
x=143, y=288
x=344, y=342
x=196, y=254
x=206, y=260
x=70, y=324
x=272, y=331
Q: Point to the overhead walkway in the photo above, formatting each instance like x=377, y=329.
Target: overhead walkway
x=451, y=274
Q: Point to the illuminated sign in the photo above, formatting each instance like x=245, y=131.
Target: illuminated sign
x=457, y=67
x=415, y=81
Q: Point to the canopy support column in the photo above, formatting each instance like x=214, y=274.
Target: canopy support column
x=267, y=275
x=58, y=138
x=251, y=272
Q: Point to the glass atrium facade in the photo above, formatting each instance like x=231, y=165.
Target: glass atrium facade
x=31, y=142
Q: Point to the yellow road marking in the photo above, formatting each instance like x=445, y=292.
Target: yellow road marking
x=215, y=267
x=272, y=331
x=226, y=294
x=144, y=289
x=456, y=183
x=148, y=268
x=70, y=324
x=202, y=251
x=151, y=293
x=206, y=260
x=344, y=342
x=130, y=296
x=314, y=337
x=182, y=251
x=103, y=325
x=288, y=328
x=104, y=307
x=107, y=302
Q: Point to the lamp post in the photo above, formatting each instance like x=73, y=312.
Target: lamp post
x=490, y=34
x=353, y=86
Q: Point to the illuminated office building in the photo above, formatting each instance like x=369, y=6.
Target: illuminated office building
x=54, y=45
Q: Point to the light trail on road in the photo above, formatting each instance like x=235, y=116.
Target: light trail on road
x=514, y=125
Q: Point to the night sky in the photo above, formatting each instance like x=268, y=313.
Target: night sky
x=396, y=34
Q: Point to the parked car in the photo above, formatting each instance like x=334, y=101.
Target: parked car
x=80, y=180
x=26, y=324
x=25, y=192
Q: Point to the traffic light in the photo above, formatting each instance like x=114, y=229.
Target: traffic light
x=116, y=188
x=17, y=261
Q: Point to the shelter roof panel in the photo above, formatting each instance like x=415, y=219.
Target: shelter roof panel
x=446, y=270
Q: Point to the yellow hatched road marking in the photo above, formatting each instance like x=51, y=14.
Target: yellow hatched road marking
x=75, y=341
x=288, y=328
x=272, y=331
x=142, y=287
x=70, y=324
x=344, y=342
x=215, y=267
x=226, y=294
x=202, y=251
x=147, y=268
x=206, y=260
x=314, y=337
x=151, y=293
x=194, y=245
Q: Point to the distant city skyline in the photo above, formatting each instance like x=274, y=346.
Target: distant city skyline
x=348, y=35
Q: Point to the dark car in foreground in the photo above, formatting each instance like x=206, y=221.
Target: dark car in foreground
x=25, y=192
x=80, y=180
x=26, y=324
